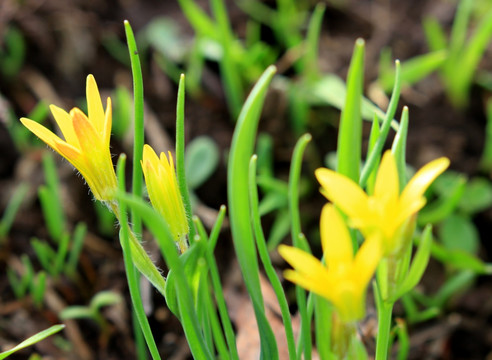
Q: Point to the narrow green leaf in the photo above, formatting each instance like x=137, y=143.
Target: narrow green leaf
x=419, y=264
x=322, y=322
x=105, y=298
x=12, y=208
x=78, y=238
x=414, y=69
x=445, y=205
x=181, y=171
x=486, y=160
x=199, y=20
x=159, y=228
x=239, y=208
x=33, y=340
x=266, y=261
x=311, y=67
x=399, y=146
x=434, y=33
x=296, y=231
x=375, y=154
x=373, y=137
x=138, y=121
x=350, y=130
x=132, y=256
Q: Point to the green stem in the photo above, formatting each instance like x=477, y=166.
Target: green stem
x=131, y=274
x=180, y=155
x=294, y=177
x=138, y=143
x=216, y=284
x=385, y=310
x=267, y=263
x=138, y=140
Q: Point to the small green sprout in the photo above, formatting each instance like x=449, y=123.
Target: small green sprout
x=93, y=310
x=11, y=210
x=464, y=51
x=28, y=282
x=12, y=54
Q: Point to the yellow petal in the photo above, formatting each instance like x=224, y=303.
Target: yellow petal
x=107, y=123
x=94, y=105
x=150, y=155
x=343, y=192
x=366, y=260
x=89, y=139
x=64, y=122
x=41, y=132
x=387, y=187
x=335, y=239
x=301, y=261
x=419, y=183
x=320, y=284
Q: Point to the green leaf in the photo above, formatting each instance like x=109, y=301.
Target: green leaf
x=451, y=190
x=164, y=35
x=12, y=208
x=239, y=207
x=201, y=160
x=76, y=312
x=419, y=264
x=350, y=130
x=331, y=90
x=33, y=340
x=105, y=298
x=477, y=196
x=414, y=69
x=460, y=260
x=457, y=232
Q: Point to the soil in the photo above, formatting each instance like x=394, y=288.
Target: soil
x=66, y=40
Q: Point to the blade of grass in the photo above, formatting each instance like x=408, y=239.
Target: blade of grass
x=77, y=243
x=12, y=208
x=180, y=156
x=296, y=231
x=159, y=228
x=239, y=208
x=266, y=261
x=138, y=143
x=217, y=287
x=373, y=137
x=138, y=139
x=399, y=146
x=311, y=67
x=131, y=274
x=215, y=326
x=33, y=340
x=385, y=127
x=231, y=77
x=350, y=129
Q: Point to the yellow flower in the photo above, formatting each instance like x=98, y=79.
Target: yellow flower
x=344, y=279
x=86, y=144
x=386, y=211
x=164, y=194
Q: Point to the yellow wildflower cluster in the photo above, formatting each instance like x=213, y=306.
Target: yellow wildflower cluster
x=384, y=219
x=86, y=147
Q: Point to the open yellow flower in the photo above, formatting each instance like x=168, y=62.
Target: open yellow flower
x=344, y=279
x=164, y=194
x=86, y=144
x=386, y=211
